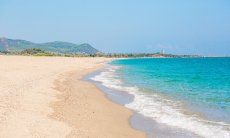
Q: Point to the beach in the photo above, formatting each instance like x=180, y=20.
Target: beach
x=46, y=97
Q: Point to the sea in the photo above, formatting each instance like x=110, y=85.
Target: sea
x=187, y=94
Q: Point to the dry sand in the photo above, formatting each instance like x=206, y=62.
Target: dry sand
x=45, y=97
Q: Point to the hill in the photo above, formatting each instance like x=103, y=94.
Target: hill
x=15, y=45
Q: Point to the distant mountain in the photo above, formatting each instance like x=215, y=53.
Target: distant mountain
x=14, y=45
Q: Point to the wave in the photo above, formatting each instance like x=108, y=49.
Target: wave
x=162, y=109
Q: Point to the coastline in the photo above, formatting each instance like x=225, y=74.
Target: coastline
x=149, y=116
x=103, y=114
x=139, y=122
x=45, y=97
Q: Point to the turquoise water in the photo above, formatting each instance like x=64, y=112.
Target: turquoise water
x=201, y=82
x=186, y=93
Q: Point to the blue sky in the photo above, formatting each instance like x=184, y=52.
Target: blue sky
x=177, y=26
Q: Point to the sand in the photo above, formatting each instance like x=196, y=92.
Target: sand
x=45, y=97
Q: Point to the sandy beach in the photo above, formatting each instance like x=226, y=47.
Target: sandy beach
x=46, y=97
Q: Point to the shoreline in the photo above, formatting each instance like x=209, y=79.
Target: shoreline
x=46, y=97
x=112, y=84
x=113, y=130
x=138, y=121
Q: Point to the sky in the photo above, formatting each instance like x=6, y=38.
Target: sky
x=124, y=26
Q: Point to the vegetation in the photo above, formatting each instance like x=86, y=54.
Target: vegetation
x=36, y=52
x=22, y=47
x=11, y=45
x=40, y=52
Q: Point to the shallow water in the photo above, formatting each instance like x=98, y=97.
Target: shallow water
x=138, y=121
x=175, y=91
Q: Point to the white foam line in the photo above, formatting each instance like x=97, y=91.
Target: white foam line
x=163, y=110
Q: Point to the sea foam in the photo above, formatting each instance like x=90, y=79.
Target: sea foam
x=162, y=109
